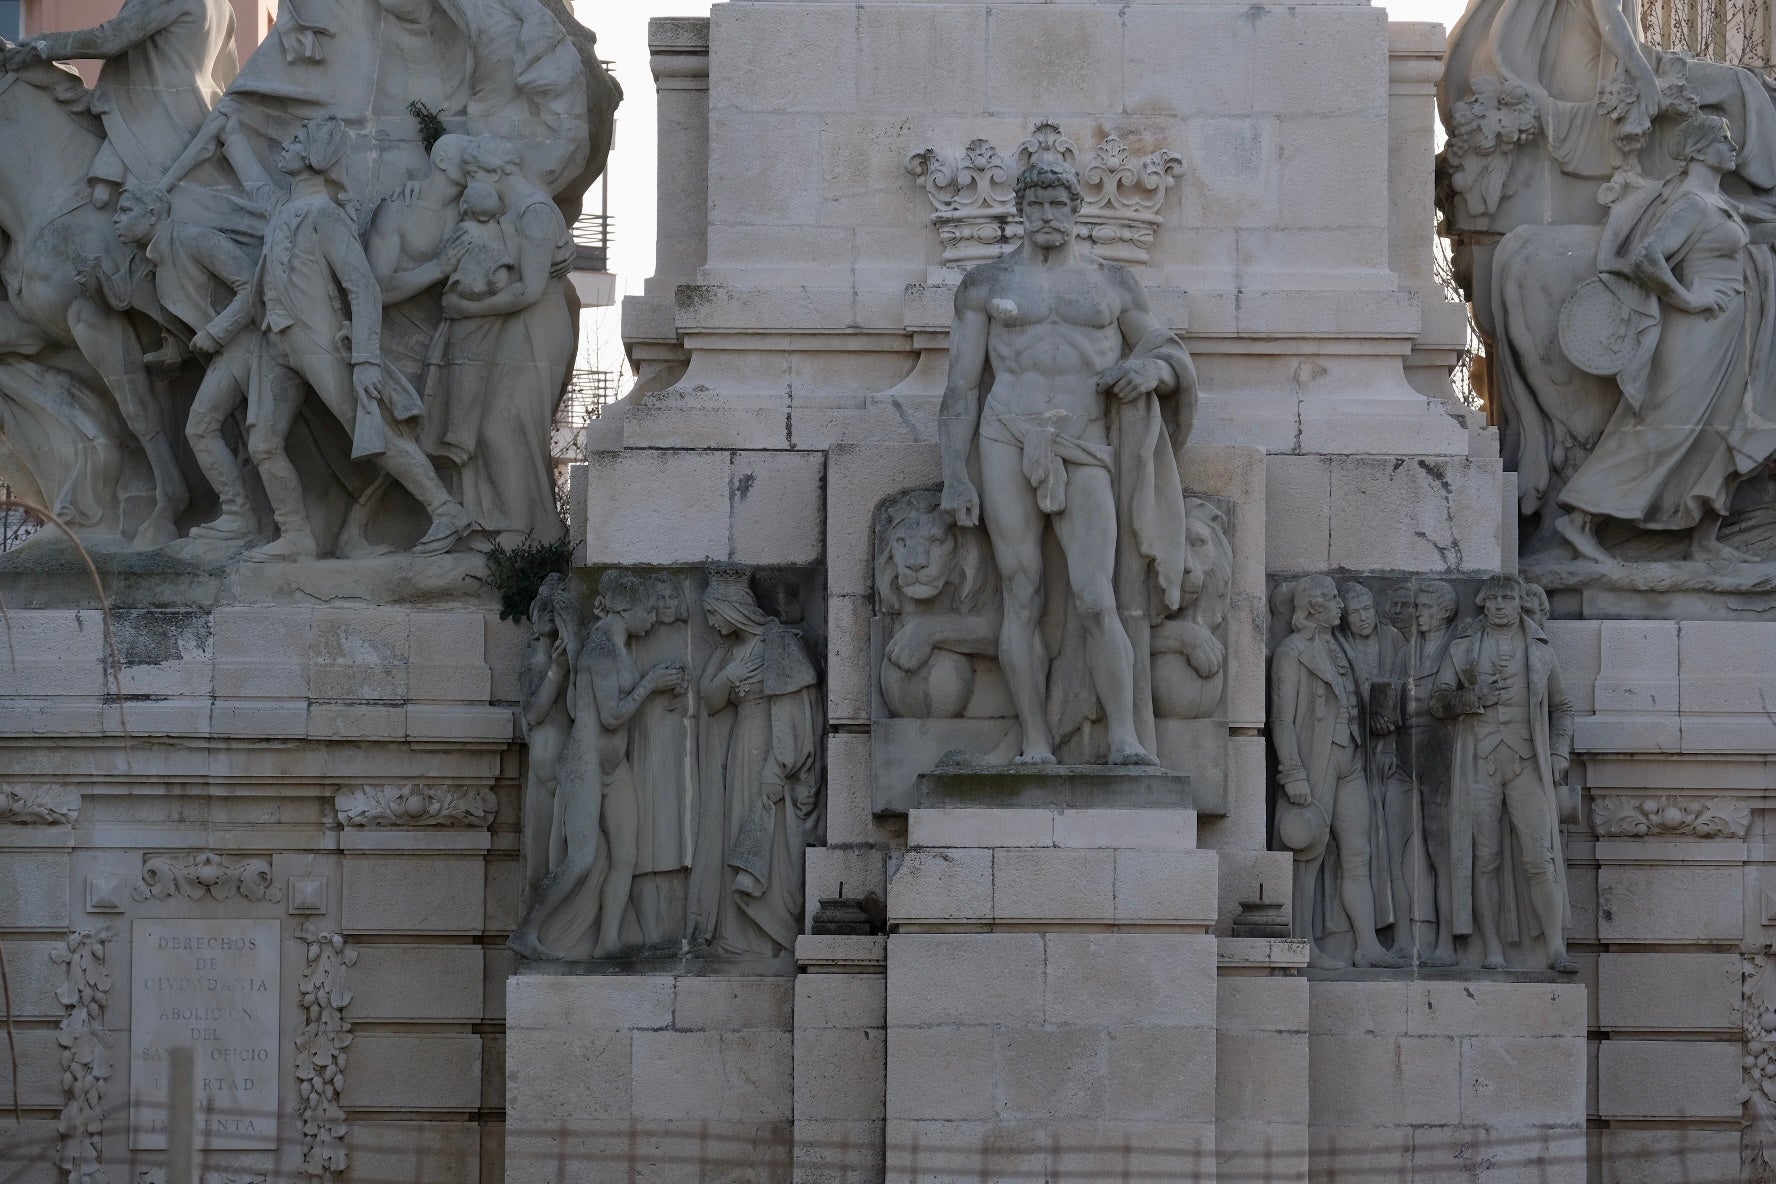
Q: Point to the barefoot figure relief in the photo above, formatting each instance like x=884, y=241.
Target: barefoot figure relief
x=676, y=772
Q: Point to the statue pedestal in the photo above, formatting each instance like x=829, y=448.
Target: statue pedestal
x=1426, y=1081
x=1051, y=994
x=1088, y=788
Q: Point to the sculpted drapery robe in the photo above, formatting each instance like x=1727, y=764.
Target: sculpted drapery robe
x=166, y=63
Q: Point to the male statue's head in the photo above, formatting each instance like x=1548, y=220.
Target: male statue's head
x=628, y=596
x=1433, y=606
x=1048, y=198
x=1316, y=603
x=1501, y=599
x=491, y=160
x=317, y=146
x=141, y=211
x=1400, y=608
x=1359, y=609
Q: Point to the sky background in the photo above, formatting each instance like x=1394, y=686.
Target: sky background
x=622, y=40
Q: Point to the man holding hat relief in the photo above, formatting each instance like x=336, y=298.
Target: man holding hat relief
x=1317, y=729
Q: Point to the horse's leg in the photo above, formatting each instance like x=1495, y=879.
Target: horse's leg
x=109, y=343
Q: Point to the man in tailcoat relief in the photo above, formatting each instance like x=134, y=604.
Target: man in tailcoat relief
x=1513, y=738
x=1318, y=732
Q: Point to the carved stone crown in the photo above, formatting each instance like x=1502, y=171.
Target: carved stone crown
x=977, y=217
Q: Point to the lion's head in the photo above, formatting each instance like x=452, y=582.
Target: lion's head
x=1208, y=580
x=923, y=559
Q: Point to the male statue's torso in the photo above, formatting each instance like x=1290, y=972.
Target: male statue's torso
x=1054, y=330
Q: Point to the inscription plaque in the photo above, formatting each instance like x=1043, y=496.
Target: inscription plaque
x=212, y=985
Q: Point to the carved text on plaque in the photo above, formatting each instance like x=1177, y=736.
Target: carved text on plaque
x=213, y=985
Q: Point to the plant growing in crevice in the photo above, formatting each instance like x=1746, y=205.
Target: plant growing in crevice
x=517, y=572
x=431, y=126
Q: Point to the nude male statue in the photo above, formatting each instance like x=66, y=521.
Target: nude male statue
x=1066, y=436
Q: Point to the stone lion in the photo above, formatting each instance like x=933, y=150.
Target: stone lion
x=937, y=592
x=1188, y=657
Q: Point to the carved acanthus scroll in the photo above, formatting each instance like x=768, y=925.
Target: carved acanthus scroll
x=197, y=875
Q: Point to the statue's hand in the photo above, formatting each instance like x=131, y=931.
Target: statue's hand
x=1561, y=766
x=205, y=343
x=1298, y=792
x=1132, y=378
x=961, y=501
x=367, y=379
x=20, y=56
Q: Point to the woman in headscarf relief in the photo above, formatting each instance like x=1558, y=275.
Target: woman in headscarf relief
x=761, y=693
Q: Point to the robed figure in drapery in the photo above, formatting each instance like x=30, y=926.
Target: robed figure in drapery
x=762, y=746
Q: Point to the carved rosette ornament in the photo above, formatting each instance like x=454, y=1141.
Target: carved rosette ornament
x=976, y=208
x=86, y=1055
x=320, y=1053
x=1624, y=816
x=197, y=875
x=27, y=803
x=1757, y=1147
x=416, y=805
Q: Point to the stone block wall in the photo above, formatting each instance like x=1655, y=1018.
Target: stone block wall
x=668, y=1076
x=351, y=771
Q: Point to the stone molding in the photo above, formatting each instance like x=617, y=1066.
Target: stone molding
x=1628, y=816
x=1758, y=1142
x=415, y=804
x=975, y=204
x=86, y=1056
x=320, y=1053
x=25, y=803
x=195, y=875
x=157, y=1175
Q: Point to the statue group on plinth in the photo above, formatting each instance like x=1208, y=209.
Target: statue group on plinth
x=373, y=210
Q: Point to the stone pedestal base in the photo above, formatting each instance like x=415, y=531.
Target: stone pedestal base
x=1431, y=1081
x=656, y=1077
x=1051, y=997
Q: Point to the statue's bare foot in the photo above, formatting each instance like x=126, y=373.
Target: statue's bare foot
x=525, y=945
x=1379, y=958
x=1438, y=958
x=1130, y=753
x=1322, y=961
x=1715, y=551
x=160, y=529
x=1583, y=541
x=1034, y=756
x=1399, y=950
x=1562, y=963
x=288, y=548
x=1493, y=962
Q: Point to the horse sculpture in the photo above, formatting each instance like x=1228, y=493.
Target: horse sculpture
x=53, y=231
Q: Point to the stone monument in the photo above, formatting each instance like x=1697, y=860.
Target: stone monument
x=1043, y=544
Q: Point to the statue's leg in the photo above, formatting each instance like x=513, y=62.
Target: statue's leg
x=1537, y=830
x=580, y=821
x=331, y=377
x=107, y=340
x=223, y=389
x=1087, y=530
x=1351, y=827
x=621, y=817
x=273, y=409
x=1014, y=527
x=1488, y=809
